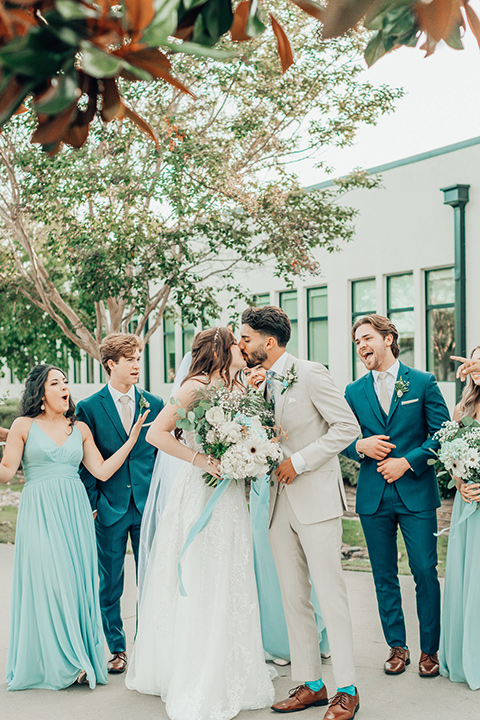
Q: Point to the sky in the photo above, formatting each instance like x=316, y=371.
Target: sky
x=441, y=107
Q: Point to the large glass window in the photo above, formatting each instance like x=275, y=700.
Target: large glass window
x=364, y=302
x=261, y=300
x=188, y=333
x=289, y=303
x=317, y=319
x=400, y=310
x=440, y=322
x=169, y=363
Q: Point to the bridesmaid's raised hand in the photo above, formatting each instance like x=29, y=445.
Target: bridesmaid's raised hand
x=135, y=431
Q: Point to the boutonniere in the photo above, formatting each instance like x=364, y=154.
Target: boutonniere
x=289, y=379
x=401, y=387
x=143, y=402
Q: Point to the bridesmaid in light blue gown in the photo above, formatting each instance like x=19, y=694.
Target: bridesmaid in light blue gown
x=460, y=634
x=272, y=615
x=56, y=635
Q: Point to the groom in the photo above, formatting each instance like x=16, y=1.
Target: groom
x=306, y=504
x=118, y=503
x=399, y=409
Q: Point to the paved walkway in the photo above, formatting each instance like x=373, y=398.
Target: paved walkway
x=407, y=697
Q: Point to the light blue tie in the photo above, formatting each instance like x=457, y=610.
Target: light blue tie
x=270, y=388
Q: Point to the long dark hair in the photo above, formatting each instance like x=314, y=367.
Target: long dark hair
x=211, y=353
x=32, y=399
x=471, y=395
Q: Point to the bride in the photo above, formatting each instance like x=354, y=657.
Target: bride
x=201, y=653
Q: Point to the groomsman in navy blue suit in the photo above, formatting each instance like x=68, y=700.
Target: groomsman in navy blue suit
x=118, y=503
x=398, y=409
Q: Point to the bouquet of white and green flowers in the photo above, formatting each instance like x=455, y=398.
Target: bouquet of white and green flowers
x=235, y=427
x=459, y=450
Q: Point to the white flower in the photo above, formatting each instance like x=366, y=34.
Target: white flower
x=457, y=468
x=230, y=431
x=211, y=436
x=215, y=416
x=472, y=458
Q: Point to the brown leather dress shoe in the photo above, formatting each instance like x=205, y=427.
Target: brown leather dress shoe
x=428, y=665
x=396, y=662
x=301, y=698
x=117, y=663
x=343, y=706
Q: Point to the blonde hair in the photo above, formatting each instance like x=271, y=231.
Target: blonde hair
x=117, y=345
x=470, y=399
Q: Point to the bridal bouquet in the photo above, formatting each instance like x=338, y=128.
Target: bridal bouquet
x=460, y=450
x=235, y=427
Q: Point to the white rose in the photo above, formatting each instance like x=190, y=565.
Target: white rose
x=211, y=436
x=230, y=431
x=215, y=416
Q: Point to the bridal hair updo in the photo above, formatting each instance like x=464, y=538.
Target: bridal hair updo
x=32, y=398
x=471, y=395
x=211, y=354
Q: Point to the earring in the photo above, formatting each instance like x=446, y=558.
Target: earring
x=42, y=407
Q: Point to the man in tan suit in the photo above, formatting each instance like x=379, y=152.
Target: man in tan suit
x=306, y=504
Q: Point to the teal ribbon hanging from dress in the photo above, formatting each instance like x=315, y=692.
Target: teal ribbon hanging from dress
x=467, y=509
x=201, y=524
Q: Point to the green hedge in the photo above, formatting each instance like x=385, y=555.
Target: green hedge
x=9, y=410
x=349, y=470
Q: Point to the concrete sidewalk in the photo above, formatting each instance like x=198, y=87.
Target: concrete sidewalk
x=382, y=697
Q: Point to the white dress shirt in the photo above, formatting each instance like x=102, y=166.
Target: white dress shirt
x=116, y=395
x=278, y=367
x=391, y=379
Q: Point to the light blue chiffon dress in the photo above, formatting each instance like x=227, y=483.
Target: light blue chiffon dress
x=272, y=615
x=56, y=627
x=459, y=652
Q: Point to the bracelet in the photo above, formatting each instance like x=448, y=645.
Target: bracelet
x=193, y=458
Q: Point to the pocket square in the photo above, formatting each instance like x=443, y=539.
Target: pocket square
x=409, y=402
x=291, y=400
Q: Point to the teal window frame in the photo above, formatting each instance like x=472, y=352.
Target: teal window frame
x=312, y=320
x=429, y=307
x=355, y=314
x=292, y=345
x=403, y=309
x=261, y=300
x=168, y=335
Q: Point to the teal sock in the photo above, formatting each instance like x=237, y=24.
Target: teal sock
x=350, y=690
x=316, y=685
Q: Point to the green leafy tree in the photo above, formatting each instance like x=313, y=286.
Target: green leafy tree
x=111, y=235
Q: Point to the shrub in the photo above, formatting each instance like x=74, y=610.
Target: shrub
x=9, y=410
x=349, y=470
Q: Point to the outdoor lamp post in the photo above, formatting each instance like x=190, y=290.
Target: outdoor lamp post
x=457, y=197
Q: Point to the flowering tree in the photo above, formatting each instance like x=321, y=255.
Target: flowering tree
x=111, y=235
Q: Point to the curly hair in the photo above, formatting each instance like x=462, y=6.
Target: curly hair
x=382, y=325
x=32, y=398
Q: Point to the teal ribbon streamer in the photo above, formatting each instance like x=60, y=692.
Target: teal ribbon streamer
x=201, y=524
x=467, y=509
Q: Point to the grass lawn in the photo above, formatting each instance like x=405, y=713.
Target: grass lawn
x=353, y=535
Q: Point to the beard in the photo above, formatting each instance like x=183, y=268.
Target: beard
x=256, y=357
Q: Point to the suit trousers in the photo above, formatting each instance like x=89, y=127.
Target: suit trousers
x=303, y=551
x=112, y=545
x=418, y=530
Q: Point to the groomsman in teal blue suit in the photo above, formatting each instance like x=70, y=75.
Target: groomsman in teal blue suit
x=398, y=409
x=118, y=503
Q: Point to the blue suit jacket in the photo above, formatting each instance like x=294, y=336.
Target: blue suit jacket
x=112, y=498
x=411, y=422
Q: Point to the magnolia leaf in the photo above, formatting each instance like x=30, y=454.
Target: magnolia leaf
x=437, y=17
x=62, y=93
x=140, y=122
x=283, y=44
x=12, y=97
x=140, y=13
x=240, y=17
x=73, y=10
x=375, y=49
x=163, y=24
x=97, y=63
x=254, y=26
x=454, y=39
x=473, y=21
x=311, y=7
x=190, y=4
x=342, y=15
x=111, y=99
x=51, y=129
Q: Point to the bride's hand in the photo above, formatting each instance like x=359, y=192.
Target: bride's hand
x=470, y=492
x=208, y=464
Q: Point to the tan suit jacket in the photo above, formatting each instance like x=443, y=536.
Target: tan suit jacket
x=319, y=424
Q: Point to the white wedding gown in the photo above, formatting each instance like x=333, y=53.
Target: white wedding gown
x=201, y=653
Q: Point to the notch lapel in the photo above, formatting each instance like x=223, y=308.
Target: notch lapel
x=373, y=400
x=281, y=397
x=109, y=407
x=402, y=373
